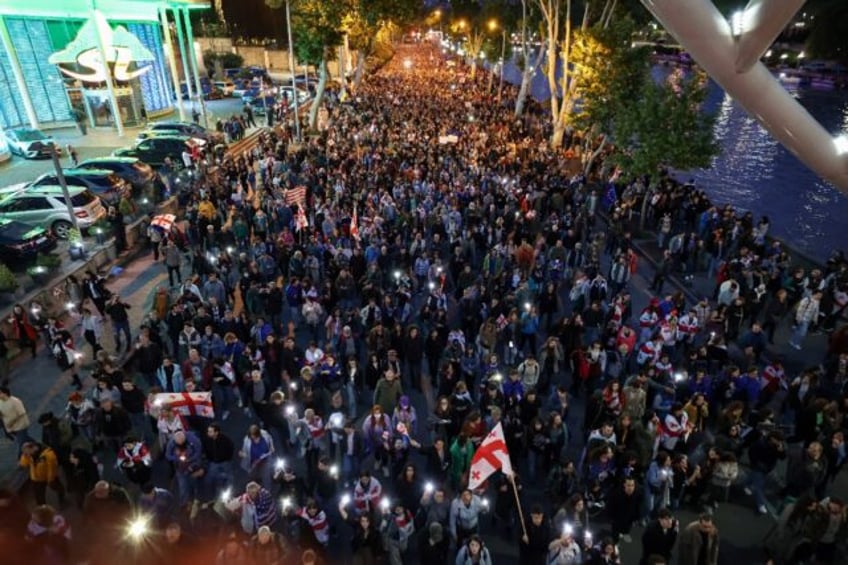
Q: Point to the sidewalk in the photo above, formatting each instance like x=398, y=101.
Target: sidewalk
x=36, y=382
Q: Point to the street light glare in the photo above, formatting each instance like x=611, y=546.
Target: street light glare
x=493, y=24
x=138, y=528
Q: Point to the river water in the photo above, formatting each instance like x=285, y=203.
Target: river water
x=754, y=172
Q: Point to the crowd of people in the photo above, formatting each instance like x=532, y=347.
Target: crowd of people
x=367, y=306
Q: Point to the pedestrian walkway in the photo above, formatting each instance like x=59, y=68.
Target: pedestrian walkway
x=36, y=382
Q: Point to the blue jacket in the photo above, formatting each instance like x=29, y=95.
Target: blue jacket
x=747, y=389
x=188, y=460
x=176, y=379
x=529, y=324
x=513, y=389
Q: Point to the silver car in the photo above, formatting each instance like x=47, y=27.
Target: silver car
x=45, y=206
x=30, y=143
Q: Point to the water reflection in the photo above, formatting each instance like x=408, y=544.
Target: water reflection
x=755, y=172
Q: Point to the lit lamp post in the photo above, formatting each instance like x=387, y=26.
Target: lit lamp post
x=438, y=15
x=76, y=250
x=295, y=96
x=493, y=25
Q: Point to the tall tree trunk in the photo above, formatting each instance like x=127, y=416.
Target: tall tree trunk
x=526, y=79
x=521, y=100
x=526, y=75
x=558, y=134
x=565, y=105
x=319, y=93
x=606, y=22
x=595, y=154
x=361, y=57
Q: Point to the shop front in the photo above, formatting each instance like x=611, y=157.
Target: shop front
x=96, y=63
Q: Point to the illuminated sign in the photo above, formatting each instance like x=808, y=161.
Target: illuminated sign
x=81, y=59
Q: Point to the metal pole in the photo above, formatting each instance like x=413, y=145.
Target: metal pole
x=192, y=55
x=292, y=69
x=101, y=23
x=172, y=62
x=65, y=193
x=186, y=64
x=19, y=74
x=503, y=63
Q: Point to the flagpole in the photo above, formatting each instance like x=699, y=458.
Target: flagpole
x=518, y=504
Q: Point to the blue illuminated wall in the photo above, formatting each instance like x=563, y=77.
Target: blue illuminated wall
x=36, y=39
x=44, y=82
x=156, y=95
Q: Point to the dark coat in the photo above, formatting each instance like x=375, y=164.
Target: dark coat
x=655, y=541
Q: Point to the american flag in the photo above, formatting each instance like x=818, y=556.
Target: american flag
x=296, y=195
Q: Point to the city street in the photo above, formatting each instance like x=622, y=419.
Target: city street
x=37, y=384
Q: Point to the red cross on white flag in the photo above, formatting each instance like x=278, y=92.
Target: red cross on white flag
x=489, y=457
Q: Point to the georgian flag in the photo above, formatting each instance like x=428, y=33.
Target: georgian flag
x=187, y=403
x=489, y=457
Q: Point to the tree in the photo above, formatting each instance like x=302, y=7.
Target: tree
x=666, y=127
x=317, y=26
x=828, y=30
x=366, y=22
x=559, y=40
x=228, y=60
x=474, y=22
x=613, y=74
x=525, y=60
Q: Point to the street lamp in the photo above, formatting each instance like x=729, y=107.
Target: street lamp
x=493, y=25
x=292, y=71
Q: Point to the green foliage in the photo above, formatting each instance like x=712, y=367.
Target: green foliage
x=665, y=126
x=49, y=261
x=228, y=60
x=610, y=73
x=317, y=26
x=8, y=282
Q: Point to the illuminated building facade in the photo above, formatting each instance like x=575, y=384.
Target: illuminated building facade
x=52, y=53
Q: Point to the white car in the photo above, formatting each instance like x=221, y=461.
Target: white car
x=225, y=86
x=5, y=153
x=45, y=206
x=30, y=143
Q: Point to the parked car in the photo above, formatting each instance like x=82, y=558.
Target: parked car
x=45, y=206
x=154, y=150
x=21, y=242
x=181, y=128
x=30, y=143
x=210, y=92
x=258, y=106
x=225, y=86
x=303, y=96
x=5, y=152
x=135, y=171
x=104, y=183
x=255, y=92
